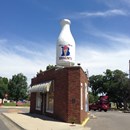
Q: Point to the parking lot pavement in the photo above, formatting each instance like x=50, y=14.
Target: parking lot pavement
x=35, y=122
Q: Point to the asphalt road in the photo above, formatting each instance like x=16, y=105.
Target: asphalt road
x=2, y=124
x=20, y=110
x=6, y=124
x=111, y=120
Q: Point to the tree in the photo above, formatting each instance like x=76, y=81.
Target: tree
x=3, y=87
x=115, y=84
x=92, y=98
x=18, y=87
x=120, y=83
x=96, y=84
x=50, y=67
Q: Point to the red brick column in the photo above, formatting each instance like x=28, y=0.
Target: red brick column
x=33, y=103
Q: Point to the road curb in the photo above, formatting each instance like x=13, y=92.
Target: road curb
x=12, y=121
x=85, y=121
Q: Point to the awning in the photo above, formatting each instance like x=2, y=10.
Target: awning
x=43, y=87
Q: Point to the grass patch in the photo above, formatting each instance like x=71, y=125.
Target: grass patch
x=14, y=104
x=9, y=104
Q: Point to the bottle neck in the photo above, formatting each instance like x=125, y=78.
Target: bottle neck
x=65, y=34
x=66, y=28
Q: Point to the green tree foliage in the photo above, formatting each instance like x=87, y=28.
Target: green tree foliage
x=50, y=67
x=3, y=87
x=93, y=98
x=115, y=84
x=18, y=87
x=96, y=84
x=120, y=85
x=107, y=80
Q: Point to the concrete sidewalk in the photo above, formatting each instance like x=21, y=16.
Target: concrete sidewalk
x=27, y=121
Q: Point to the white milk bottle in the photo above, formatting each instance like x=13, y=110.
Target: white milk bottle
x=65, y=48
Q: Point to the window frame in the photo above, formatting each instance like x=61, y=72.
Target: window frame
x=38, y=101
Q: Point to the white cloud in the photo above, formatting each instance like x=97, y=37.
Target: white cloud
x=114, y=40
x=116, y=3
x=113, y=12
x=30, y=61
x=3, y=41
x=126, y=1
x=107, y=13
x=13, y=62
x=98, y=61
x=116, y=56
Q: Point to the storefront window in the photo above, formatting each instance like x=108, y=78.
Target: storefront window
x=38, y=101
x=81, y=96
x=86, y=98
x=50, y=101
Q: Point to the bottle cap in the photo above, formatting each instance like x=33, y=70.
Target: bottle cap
x=65, y=21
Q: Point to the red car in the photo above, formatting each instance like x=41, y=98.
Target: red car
x=102, y=104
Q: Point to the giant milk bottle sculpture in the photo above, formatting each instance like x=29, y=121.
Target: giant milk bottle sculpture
x=65, y=48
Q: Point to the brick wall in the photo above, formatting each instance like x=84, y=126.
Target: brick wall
x=67, y=83
x=83, y=80
x=73, y=95
x=33, y=102
x=60, y=94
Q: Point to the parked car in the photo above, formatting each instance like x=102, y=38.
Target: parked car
x=102, y=104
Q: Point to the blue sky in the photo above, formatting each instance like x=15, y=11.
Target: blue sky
x=29, y=30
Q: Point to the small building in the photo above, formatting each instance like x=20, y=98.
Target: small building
x=61, y=93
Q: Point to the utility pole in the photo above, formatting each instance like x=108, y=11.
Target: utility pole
x=129, y=69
